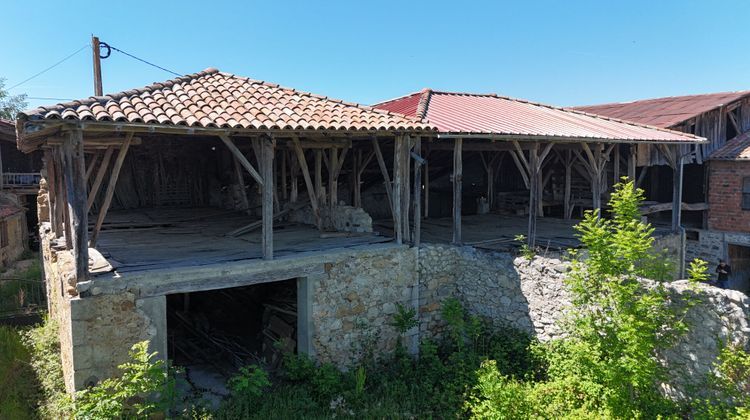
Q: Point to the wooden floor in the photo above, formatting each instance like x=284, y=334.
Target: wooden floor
x=145, y=239
x=498, y=232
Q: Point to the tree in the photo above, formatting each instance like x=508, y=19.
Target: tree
x=10, y=105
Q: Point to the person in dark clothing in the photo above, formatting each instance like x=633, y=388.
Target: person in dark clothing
x=723, y=270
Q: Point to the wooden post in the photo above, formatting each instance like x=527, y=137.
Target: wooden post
x=357, y=179
x=294, y=192
x=240, y=157
x=616, y=165
x=99, y=177
x=567, y=208
x=333, y=182
x=426, y=186
x=90, y=168
x=52, y=181
x=677, y=191
x=533, y=192
x=319, y=193
x=110, y=189
x=267, y=154
x=417, y=193
x=397, y=191
x=404, y=161
x=62, y=209
x=457, y=188
x=283, y=175
x=74, y=167
x=98, y=91
x=632, y=161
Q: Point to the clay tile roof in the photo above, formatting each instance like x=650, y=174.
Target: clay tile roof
x=665, y=112
x=736, y=149
x=494, y=115
x=215, y=99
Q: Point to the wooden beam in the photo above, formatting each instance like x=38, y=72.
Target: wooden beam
x=284, y=189
x=74, y=167
x=567, y=208
x=110, y=189
x=616, y=166
x=404, y=161
x=632, y=162
x=53, y=179
x=99, y=177
x=306, y=175
x=457, y=189
x=90, y=168
x=520, y=167
x=267, y=156
x=427, y=186
x=63, y=195
x=333, y=182
x=95, y=142
x=319, y=193
x=242, y=159
x=384, y=171
x=240, y=183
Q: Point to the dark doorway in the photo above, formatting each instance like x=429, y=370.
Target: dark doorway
x=222, y=330
x=739, y=259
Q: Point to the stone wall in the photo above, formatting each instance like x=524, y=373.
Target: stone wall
x=354, y=303
x=711, y=245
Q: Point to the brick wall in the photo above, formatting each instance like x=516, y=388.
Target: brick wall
x=725, y=196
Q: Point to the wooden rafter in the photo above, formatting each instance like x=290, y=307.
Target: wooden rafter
x=110, y=189
x=99, y=177
x=242, y=159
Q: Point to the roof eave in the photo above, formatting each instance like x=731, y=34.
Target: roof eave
x=565, y=139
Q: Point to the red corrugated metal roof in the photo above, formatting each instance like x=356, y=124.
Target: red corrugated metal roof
x=489, y=114
x=736, y=149
x=665, y=112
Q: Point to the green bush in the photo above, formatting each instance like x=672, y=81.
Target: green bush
x=145, y=388
x=43, y=343
x=18, y=387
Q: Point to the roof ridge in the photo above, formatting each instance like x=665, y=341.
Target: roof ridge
x=424, y=103
x=692, y=95
x=317, y=96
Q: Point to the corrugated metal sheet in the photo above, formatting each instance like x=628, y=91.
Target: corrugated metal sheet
x=736, y=149
x=463, y=113
x=665, y=112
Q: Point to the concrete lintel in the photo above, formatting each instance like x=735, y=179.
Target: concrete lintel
x=171, y=280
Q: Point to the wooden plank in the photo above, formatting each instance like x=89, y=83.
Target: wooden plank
x=99, y=177
x=659, y=207
x=74, y=167
x=457, y=189
x=243, y=160
x=306, y=175
x=267, y=198
x=110, y=189
x=677, y=192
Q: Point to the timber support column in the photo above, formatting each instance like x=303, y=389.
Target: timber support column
x=74, y=168
x=267, y=153
x=677, y=193
x=457, y=188
x=632, y=161
x=534, y=166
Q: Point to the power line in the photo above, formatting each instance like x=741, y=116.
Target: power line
x=44, y=98
x=50, y=67
x=144, y=61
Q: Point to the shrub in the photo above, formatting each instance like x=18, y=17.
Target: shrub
x=145, y=388
x=44, y=345
x=18, y=387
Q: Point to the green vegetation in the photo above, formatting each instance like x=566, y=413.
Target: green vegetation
x=10, y=105
x=607, y=365
x=18, y=390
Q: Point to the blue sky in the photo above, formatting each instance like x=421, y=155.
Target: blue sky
x=559, y=52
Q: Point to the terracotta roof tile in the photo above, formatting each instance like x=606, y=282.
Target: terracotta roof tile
x=214, y=99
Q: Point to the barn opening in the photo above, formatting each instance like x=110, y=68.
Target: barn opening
x=214, y=333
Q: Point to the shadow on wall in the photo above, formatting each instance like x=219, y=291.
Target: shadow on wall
x=509, y=291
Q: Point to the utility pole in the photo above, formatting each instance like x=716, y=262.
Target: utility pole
x=97, y=66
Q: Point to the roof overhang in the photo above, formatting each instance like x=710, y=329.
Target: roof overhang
x=565, y=139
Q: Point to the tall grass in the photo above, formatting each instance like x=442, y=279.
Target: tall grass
x=19, y=390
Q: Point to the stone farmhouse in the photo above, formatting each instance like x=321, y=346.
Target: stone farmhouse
x=219, y=217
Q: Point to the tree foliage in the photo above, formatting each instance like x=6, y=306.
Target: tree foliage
x=10, y=105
